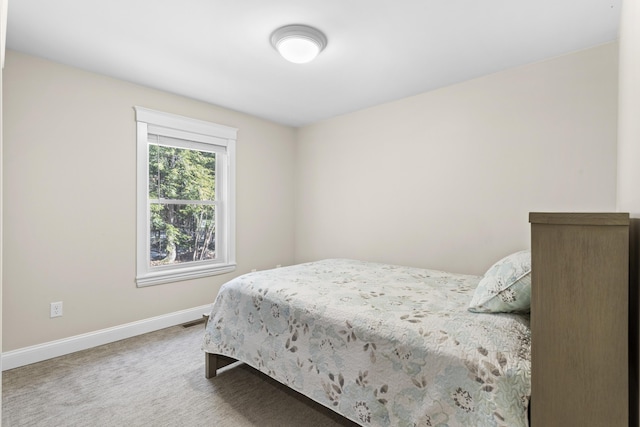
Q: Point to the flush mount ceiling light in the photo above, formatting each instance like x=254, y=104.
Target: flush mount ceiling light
x=298, y=43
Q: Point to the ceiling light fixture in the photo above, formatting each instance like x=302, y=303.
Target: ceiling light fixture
x=298, y=43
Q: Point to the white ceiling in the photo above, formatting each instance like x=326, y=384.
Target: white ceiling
x=218, y=51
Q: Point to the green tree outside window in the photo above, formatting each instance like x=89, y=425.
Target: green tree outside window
x=182, y=196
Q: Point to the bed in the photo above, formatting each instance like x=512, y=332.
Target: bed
x=382, y=345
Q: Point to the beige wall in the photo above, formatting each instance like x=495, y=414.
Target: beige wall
x=629, y=106
x=69, y=217
x=3, y=32
x=441, y=180
x=446, y=179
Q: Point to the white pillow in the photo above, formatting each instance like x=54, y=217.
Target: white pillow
x=505, y=287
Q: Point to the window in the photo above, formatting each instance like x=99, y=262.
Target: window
x=186, y=198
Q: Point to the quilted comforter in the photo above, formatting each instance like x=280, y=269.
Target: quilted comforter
x=383, y=345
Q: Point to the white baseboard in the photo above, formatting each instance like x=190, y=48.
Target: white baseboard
x=37, y=353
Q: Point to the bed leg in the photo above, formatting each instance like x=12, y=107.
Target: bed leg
x=213, y=362
x=210, y=365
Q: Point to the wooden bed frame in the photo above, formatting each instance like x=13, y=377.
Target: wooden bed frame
x=634, y=322
x=598, y=249
x=213, y=362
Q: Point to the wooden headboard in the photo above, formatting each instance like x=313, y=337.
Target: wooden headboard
x=584, y=319
x=634, y=322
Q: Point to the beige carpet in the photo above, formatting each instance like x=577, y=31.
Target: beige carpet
x=155, y=379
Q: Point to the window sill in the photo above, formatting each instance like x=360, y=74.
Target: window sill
x=160, y=277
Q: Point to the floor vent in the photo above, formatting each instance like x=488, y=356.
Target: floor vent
x=194, y=323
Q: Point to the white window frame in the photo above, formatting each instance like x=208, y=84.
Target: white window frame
x=222, y=140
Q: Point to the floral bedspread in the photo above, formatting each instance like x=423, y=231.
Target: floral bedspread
x=383, y=345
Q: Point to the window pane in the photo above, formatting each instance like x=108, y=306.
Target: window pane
x=182, y=233
x=181, y=174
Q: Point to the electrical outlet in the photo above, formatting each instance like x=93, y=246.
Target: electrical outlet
x=56, y=309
